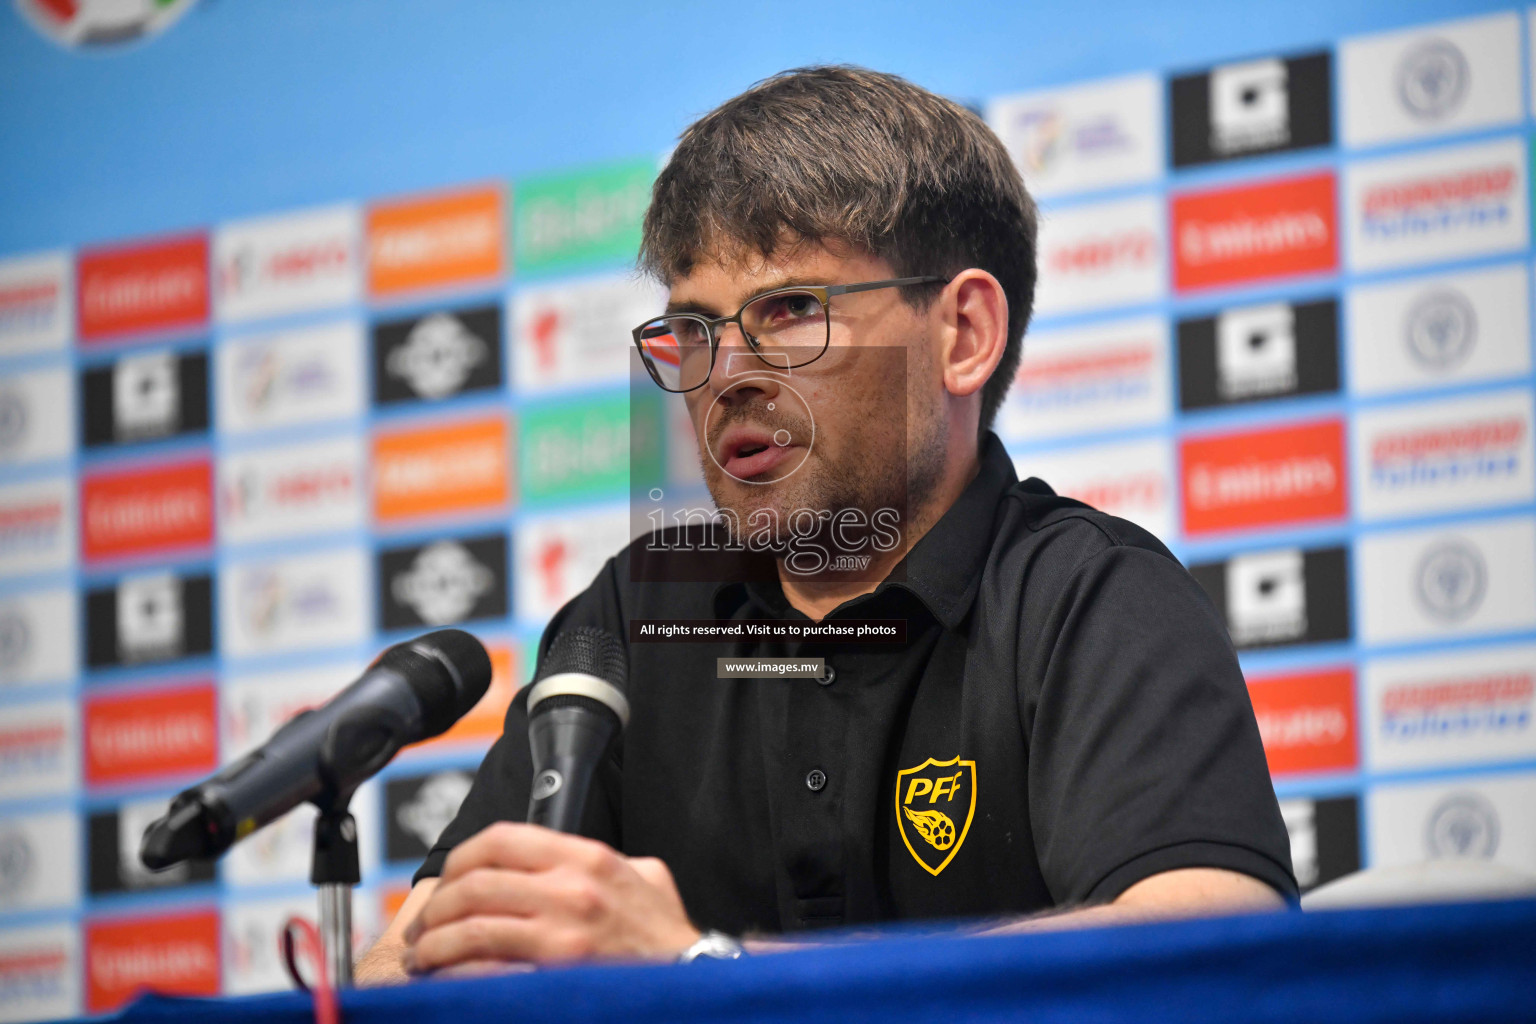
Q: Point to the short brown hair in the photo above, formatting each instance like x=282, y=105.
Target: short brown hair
x=844, y=154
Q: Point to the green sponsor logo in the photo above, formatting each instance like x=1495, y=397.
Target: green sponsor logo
x=578, y=219
x=583, y=449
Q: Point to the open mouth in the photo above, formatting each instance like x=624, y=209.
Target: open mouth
x=749, y=453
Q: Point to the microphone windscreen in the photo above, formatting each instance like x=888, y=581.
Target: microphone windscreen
x=589, y=651
x=448, y=671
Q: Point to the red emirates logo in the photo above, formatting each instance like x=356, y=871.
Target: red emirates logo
x=139, y=736
x=1307, y=721
x=143, y=511
x=1255, y=232
x=1264, y=477
x=155, y=287
x=172, y=953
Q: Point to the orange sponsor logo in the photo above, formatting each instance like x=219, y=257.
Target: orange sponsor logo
x=1264, y=477
x=127, y=513
x=137, y=736
x=455, y=468
x=1254, y=232
x=1307, y=721
x=174, y=953
x=484, y=722
x=436, y=241
x=159, y=286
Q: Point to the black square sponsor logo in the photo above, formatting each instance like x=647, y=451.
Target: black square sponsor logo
x=418, y=807
x=1325, y=838
x=1245, y=108
x=443, y=582
x=145, y=396
x=1257, y=352
x=438, y=355
x=1281, y=596
x=114, y=837
x=149, y=618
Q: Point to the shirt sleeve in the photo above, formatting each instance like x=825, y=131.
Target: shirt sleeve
x=502, y=783
x=1144, y=753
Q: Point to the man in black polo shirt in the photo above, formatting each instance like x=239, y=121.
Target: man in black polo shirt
x=1063, y=725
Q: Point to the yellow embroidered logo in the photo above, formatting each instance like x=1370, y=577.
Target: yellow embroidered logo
x=934, y=805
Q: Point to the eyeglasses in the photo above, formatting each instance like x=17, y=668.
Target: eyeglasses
x=785, y=327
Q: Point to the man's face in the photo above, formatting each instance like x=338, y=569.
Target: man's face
x=858, y=428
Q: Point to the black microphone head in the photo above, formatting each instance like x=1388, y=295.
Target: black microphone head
x=589, y=651
x=449, y=671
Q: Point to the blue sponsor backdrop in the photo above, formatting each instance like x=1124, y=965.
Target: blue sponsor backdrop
x=1379, y=574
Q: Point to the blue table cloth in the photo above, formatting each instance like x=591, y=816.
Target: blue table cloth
x=1474, y=962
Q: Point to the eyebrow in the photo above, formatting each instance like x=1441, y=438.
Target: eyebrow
x=709, y=311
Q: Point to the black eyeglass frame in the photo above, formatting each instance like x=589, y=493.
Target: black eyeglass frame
x=822, y=293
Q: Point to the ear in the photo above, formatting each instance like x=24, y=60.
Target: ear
x=975, y=312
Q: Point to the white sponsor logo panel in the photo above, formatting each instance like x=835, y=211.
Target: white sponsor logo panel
x=1429, y=80
x=39, y=861
x=1459, y=453
x=1474, y=818
x=37, y=303
x=1444, y=204
x=1102, y=255
x=38, y=637
x=40, y=973
x=1100, y=135
x=557, y=557
x=1466, y=707
x=291, y=378
x=291, y=604
x=578, y=332
x=1452, y=581
x=39, y=749
x=1104, y=377
x=292, y=490
x=287, y=263
x=1439, y=330
x=37, y=526
x=37, y=416
x=1133, y=480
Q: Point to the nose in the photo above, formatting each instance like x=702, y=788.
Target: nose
x=740, y=375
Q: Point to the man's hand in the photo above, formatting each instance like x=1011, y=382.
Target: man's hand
x=518, y=893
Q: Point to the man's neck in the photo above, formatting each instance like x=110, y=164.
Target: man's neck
x=816, y=596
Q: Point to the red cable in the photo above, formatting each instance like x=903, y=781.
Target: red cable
x=326, y=1011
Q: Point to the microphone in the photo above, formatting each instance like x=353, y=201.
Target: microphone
x=575, y=710
x=414, y=691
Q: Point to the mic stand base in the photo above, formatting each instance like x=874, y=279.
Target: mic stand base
x=335, y=871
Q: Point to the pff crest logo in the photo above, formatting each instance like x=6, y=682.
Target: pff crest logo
x=935, y=802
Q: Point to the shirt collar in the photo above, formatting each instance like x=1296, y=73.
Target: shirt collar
x=943, y=569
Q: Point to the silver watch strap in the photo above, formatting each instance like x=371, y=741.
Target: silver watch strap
x=712, y=946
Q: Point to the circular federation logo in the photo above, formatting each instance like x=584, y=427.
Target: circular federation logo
x=15, y=639
x=101, y=23
x=1432, y=79
x=15, y=861
x=1452, y=579
x=13, y=418
x=1441, y=330
x=1462, y=826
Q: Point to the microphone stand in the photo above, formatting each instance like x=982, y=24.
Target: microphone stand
x=334, y=870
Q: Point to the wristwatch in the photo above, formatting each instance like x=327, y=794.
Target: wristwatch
x=712, y=946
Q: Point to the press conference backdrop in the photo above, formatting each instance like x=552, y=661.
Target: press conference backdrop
x=1283, y=322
